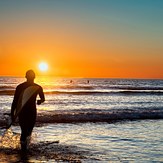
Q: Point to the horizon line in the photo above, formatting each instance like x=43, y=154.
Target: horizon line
x=21, y=76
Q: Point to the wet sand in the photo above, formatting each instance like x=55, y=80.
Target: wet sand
x=43, y=151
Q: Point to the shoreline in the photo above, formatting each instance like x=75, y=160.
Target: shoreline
x=44, y=151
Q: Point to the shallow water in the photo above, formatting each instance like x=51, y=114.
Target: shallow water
x=127, y=141
x=139, y=141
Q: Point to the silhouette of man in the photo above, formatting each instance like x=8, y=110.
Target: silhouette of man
x=27, y=115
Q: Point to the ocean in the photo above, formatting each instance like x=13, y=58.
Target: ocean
x=94, y=119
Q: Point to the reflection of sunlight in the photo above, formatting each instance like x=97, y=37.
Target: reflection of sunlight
x=48, y=83
x=44, y=81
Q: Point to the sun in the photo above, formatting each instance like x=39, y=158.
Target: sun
x=43, y=66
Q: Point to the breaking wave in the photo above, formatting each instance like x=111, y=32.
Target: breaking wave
x=100, y=92
x=96, y=115
x=99, y=116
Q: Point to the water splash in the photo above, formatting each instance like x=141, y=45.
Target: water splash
x=10, y=140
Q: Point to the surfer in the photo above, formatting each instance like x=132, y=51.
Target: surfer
x=24, y=106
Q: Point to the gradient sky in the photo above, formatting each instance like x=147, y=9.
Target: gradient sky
x=82, y=38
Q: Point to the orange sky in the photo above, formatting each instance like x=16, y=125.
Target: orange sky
x=77, y=43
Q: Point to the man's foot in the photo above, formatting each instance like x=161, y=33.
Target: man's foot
x=23, y=146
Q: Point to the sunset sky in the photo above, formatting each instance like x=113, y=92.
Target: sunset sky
x=82, y=38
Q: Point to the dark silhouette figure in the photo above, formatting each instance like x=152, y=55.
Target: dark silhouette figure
x=27, y=115
x=71, y=81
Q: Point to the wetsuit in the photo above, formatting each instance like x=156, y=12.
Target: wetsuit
x=27, y=116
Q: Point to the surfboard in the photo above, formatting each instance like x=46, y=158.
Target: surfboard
x=23, y=99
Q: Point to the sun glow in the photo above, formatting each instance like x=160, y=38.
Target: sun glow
x=43, y=66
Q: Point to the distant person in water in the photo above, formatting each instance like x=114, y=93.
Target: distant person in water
x=71, y=81
x=27, y=92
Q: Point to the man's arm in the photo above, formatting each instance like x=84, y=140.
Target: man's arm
x=41, y=95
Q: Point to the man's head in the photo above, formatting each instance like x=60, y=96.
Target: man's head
x=30, y=75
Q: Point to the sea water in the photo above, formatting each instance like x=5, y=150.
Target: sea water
x=106, y=119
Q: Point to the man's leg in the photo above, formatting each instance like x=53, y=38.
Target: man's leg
x=23, y=137
x=26, y=121
x=26, y=131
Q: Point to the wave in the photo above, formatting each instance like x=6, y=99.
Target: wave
x=72, y=87
x=106, y=87
x=135, y=88
x=99, y=116
x=7, y=88
x=118, y=92
x=7, y=92
x=92, y=87
x=89, y=87
x=107, y=92
x=83, y=116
